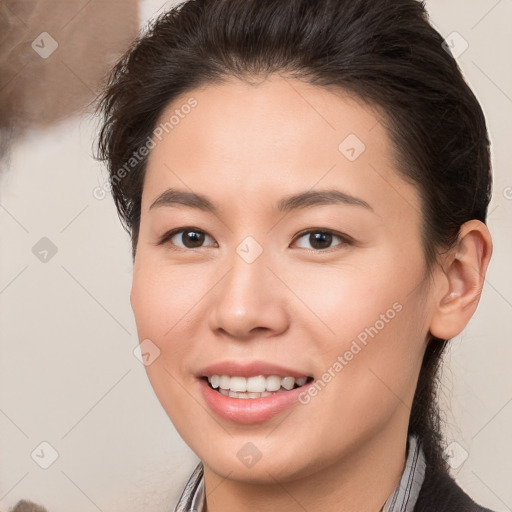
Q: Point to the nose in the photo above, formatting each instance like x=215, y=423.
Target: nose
x=249, y=301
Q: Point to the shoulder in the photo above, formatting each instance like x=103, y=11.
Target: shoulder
x=440, y=493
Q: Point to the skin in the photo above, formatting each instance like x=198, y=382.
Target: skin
x=246, y=147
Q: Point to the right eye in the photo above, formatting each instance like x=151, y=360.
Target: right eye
x=186, y=238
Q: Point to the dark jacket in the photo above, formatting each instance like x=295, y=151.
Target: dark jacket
x=440, y=493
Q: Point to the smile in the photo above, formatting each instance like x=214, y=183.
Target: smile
x=258, y=386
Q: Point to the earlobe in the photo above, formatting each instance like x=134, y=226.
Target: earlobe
x=463, y=278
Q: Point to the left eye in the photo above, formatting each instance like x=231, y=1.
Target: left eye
x=320, y=240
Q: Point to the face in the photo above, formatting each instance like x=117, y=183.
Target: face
x=278, y=244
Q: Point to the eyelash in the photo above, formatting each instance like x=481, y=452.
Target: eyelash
x=344, y=239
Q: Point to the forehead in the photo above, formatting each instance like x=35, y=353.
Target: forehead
x=244, y=142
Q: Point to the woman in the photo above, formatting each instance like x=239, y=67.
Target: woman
x=306, y=185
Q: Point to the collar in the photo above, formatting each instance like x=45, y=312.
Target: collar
x=402, y=499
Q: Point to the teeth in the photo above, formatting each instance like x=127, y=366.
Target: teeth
x=301, y=381
x=234, y=394
x=287, y=382
x=255, y=384
x=253, y=387
x=238, y=384
x=273, y=383
x=224, y=382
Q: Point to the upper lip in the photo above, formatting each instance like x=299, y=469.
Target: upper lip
x=249, y=369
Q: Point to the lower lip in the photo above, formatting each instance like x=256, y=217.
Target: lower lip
x=249, y=410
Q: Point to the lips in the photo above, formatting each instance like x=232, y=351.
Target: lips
x=250, y=392
x=252, y=410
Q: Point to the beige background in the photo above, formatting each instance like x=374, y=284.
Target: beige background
x=68, y=375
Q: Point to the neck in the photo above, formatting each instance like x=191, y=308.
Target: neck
x=360, y=481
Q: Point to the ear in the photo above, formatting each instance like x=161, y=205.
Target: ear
x=460, y=286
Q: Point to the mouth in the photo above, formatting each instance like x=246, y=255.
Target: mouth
x=258, y=386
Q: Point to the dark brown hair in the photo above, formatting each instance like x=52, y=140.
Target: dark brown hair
x=383, y=51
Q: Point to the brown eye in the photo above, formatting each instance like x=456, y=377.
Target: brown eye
x=192, y=239
x=187, y=238
x=320, y=240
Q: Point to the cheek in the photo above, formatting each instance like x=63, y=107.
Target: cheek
x=345, y=299
x=159, y=300
x=168, y=305
x=163, y=297
x=370, y=372
x=369, y=327
x=163, y=301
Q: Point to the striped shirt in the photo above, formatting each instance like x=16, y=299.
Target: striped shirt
x=402, y=499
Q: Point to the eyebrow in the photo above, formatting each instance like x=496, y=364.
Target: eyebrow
x=318, y=198
x=172, y=197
